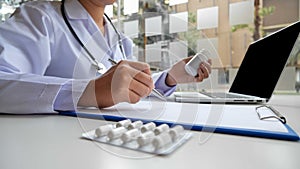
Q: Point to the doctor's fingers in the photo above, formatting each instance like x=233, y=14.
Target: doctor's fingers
x=144, y=67
x=129, y=73
x=133, y=97
x=203, y=72
x=144, y=79
x=206, y=65
x=139, y=88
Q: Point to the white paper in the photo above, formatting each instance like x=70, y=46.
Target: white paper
x=213, y=115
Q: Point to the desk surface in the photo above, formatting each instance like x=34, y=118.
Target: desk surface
x=52, y=141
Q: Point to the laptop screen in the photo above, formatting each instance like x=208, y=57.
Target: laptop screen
x=264, y=62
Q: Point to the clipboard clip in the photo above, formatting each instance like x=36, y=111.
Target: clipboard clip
x=276, y=113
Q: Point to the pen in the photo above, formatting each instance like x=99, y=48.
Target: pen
x=154, y=91
x=112, y=61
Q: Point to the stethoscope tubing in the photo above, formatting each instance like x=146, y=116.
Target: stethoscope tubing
x=91, y=57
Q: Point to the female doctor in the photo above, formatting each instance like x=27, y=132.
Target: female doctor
x=55, y=56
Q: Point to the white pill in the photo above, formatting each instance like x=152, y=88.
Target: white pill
x=161, y=128
x=130, y=135
x=136, y=124
x=176, y=131
x=116, y=133
x=145, y=138
x=192, y=66
x=123, y=123
x=148, y=127
x=103, y=130
x=161, y=140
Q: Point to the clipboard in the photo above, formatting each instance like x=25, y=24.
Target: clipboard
x=232, y=120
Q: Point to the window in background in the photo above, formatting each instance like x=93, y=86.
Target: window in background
x=177, y=26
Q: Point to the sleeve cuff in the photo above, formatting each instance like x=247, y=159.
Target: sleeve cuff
x=69, y=94
x=160, y=84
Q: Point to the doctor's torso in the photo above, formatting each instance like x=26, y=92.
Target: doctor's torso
x=41, y=43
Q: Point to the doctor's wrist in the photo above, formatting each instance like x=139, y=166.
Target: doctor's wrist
x=88, y=97
x=170, y=81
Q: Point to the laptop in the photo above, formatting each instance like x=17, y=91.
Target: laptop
x=259, y=71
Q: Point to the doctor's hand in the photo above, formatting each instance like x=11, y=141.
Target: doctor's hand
x=177, y=73
x=125, y=82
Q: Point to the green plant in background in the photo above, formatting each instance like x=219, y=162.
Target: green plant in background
x=240, y=26
x=295, y=54
x=259, y=14
x=266, y=11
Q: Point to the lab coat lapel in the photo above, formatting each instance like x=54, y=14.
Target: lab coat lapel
x=113, y=42
x=87, y=31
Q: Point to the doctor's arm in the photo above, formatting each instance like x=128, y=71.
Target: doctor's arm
x=129, y=81
x=166, y=81
x=125, y=82
x=25, y=53
x=177, y=74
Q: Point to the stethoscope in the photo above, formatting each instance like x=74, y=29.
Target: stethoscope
x=98, y=65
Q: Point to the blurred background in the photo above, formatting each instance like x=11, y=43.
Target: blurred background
x=165, y=31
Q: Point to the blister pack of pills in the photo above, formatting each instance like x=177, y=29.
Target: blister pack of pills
x=138, y=136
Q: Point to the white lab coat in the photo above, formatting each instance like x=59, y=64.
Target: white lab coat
x=40, y=60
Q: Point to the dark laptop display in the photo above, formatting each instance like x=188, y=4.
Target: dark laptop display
x=264, y=62
x=259, y=72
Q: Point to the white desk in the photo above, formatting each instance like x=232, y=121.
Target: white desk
x=50, y=141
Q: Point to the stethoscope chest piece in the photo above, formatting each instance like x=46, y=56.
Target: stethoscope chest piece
x=101, y=69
